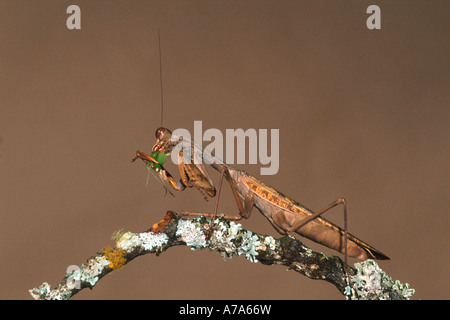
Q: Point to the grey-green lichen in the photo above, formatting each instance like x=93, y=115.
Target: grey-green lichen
x=270, y=242
x=193, y=235
x=370, y=282
x=227, y=238
x=85, y=276
x=150, y=240
x=44, y=291
x=146, y=240
x=88, y=274
x=230, y=239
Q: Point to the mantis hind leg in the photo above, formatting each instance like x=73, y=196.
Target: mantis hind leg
x=280, y=219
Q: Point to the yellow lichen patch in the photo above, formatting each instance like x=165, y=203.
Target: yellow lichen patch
x=115, y=256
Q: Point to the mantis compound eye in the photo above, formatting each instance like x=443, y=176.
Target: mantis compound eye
x=163, y=134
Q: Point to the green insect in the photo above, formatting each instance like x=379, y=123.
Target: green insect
x=154, y=163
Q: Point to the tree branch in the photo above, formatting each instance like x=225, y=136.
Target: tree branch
x=228, y=239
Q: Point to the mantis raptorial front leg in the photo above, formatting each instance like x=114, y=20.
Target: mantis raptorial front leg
x=214, y=215
x=244, y=210
x=155, y=162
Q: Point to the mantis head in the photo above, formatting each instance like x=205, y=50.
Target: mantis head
x=163, y=141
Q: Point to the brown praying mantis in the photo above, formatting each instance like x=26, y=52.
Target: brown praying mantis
x=285, y=214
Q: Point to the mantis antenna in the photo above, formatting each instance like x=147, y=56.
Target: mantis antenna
x=160, y=77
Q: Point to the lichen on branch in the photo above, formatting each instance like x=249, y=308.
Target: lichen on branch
x=228, y=239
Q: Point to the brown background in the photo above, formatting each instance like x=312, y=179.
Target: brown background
x=362, y=114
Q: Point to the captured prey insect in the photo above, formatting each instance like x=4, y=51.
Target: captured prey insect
x=155, y=162
x=285, y=214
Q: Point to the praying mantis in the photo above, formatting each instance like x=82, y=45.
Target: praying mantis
x=285, y=214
